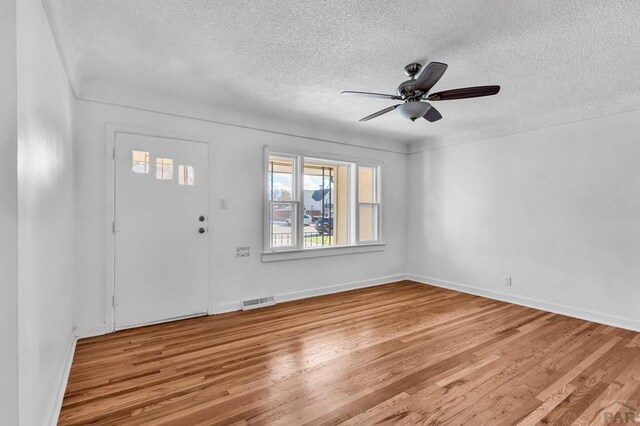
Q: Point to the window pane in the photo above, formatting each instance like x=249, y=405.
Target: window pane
x=366, y=185
x=139, y=161
x=368, y=223
x=164, y=168
x=281, y=179
x=283, y=225
x=325, y=202
x=185, y=175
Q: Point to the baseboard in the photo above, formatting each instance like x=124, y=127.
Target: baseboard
x=599, y=317
x=56, y=403
x=92, y=330
x=318, y=291
x=570, y=311
x=223, y=308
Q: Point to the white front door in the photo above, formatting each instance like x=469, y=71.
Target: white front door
x=161, y=229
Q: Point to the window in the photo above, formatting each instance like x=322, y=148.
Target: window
x=140, y=162
x=185, y=175
x=325, y=203
x=282, y=202
x=368, y=205
x=164, y=168
x=315, y=202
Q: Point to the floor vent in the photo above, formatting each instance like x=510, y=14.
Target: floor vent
x=258, y=303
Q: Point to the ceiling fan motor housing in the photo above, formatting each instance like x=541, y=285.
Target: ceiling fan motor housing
x=406, y=89
x=413, y=110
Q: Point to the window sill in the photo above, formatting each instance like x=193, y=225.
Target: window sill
x=276, y=256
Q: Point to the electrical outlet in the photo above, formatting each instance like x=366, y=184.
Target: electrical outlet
x=243, y=251
x=507, y=281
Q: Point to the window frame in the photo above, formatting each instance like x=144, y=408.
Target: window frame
x=298, y=250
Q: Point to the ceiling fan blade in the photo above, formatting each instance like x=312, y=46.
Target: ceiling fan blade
x=464, y=93
x=430, y=76
x=432, y=115
x=379, y=113
x=372, y=95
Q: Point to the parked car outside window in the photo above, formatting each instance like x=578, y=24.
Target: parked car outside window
x=324, y=225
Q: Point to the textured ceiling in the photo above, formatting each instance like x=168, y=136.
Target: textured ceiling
x=288, y=60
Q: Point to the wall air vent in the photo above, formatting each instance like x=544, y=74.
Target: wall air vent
x=258, y=303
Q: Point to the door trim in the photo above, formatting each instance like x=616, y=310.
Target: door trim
x=112, y=131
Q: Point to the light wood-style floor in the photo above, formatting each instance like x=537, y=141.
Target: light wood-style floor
x=401, y=353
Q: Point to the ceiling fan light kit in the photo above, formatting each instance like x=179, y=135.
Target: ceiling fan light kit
x=414, y=92
x=413, y=110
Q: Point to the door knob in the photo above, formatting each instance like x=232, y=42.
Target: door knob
x=201, y=230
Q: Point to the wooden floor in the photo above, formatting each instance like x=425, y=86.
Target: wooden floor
x=401, y=353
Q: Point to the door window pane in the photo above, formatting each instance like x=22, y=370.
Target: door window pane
x=185, y=175
x=140, y=162
x=164, y=168
x=368, y=222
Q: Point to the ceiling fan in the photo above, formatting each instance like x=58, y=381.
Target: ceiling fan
x=415, y=91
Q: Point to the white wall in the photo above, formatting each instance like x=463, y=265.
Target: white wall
x=237, y=171
x=557, y=209
x=8, y=217
x=46, y=215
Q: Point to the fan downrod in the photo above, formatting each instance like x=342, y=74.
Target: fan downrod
x=412, y=69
